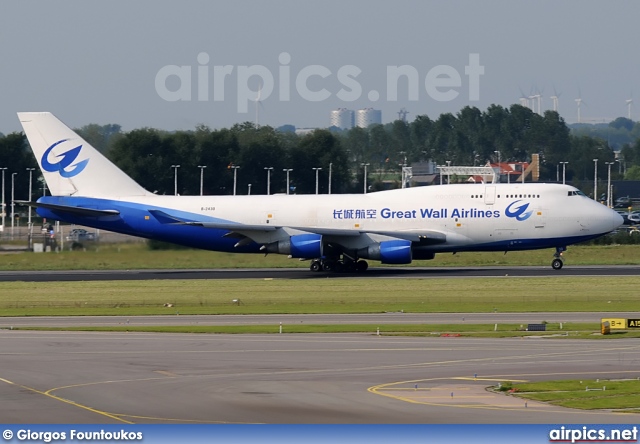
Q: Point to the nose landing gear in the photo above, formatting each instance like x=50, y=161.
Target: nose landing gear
x=557, y=262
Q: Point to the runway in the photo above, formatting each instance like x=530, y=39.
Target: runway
x=303, y=273
x=76, y=377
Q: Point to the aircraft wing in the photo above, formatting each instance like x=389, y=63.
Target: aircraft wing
x=165, y=218
x=422, y=236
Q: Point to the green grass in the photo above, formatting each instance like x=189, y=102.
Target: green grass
x=568, y=331
x=622, y=395
x=137, y=256
x=348, y=295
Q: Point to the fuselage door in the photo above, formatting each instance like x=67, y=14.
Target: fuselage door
x=490, y=195
x=539, y=218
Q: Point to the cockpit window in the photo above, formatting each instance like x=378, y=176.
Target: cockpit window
x=576, y=193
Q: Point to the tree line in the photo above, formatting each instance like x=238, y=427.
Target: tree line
x=470, y=137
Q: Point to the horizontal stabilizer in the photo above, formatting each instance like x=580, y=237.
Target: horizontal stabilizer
x=78, y=211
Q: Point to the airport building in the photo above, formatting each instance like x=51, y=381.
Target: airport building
x=342, y=118
x=368, y=116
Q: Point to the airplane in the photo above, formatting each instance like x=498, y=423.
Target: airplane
x=336, y=232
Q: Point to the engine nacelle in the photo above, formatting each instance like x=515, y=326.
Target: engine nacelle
x=306, y=246
x=388, y=252
x=422, y=255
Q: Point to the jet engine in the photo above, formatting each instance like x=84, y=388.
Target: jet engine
x=388, y=252
x=306, y=246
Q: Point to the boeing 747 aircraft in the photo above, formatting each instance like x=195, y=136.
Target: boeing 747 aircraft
x=334, y=232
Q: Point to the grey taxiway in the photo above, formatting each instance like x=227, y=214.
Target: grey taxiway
x=90, y=377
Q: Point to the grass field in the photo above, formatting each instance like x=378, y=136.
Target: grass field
x=566, y=331
x=138, y=256
x=619, y=395
x=348, y=295
x=361, y=295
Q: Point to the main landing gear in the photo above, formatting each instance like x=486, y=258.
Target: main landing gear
x=557, y=262
x=339, y=266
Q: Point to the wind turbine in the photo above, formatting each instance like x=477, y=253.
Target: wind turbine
x=539, y=97
x=524, y=100
x=579, y=103
x=258, y=104
x=536, y=96
x=533, y=102
x=555, y=98
x=629, y=102
x=539, y=103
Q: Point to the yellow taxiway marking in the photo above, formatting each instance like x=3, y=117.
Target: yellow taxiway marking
x=67, y=401
x=116, y=416
x=457, y=397
x=193, y=421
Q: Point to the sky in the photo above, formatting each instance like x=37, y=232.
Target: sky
x=176, y=64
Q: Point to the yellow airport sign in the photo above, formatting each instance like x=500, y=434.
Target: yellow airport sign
x=633, y=323
x=616, y=323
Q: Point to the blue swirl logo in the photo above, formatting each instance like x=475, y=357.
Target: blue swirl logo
x=64, y=165
x=518, y=212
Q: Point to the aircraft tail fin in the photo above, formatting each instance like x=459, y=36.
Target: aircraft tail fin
x=70, y=165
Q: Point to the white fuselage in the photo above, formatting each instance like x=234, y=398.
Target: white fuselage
x=473, y=214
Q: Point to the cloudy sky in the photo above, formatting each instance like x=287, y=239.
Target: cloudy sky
x=176, y=64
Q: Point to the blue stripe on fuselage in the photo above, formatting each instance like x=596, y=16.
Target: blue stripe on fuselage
x=135, y=220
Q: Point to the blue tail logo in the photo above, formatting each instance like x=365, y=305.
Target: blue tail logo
x=63, y=166
x=520, y=212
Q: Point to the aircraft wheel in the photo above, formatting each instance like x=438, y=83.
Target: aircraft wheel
x=349, y=267
x=556, y=264
x=339, y=268
x=329, y=266
x=361, y=266
x=315, y=266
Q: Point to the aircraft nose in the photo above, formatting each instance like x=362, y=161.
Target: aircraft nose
x=617, y=220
